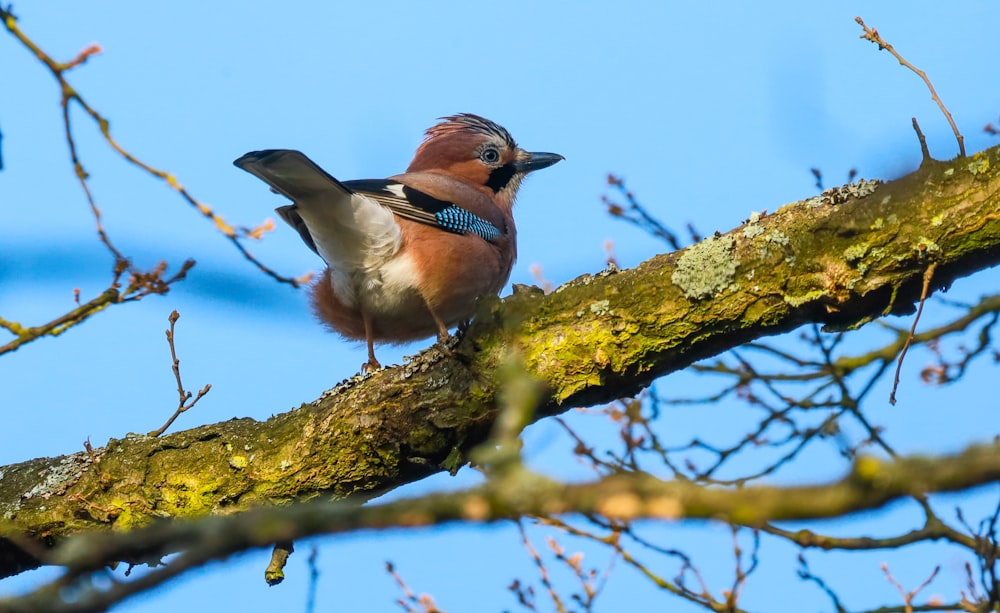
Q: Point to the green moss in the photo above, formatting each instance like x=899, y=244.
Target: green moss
x=797, y=301
x=855, y=252
x=979, y=164
x=594, y=344
x=926, y=245
x=707, y=268
x=778, y=237
x=126, y=519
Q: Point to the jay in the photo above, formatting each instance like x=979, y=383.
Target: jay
x=407, y=257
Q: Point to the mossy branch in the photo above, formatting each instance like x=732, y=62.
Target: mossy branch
x=851, y=255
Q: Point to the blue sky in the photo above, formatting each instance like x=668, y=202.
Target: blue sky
x=710, y=112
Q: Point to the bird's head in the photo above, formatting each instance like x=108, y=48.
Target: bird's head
x=480, y=152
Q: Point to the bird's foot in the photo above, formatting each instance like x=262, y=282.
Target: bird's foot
x=370, y=366
x=447, y=343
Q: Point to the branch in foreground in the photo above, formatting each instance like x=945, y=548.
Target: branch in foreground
x=870, y=485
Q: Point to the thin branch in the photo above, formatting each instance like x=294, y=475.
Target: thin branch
x=140, y=285
x=543, y=571
x=70, y=95
x=183, y=395
x=908, y=596
x=872, y=35
x=928, y=276
x=925, y=153
x=411, y=603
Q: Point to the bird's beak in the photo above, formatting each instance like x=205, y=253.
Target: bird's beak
x=537, y=161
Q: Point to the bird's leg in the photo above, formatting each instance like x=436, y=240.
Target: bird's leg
x=443, y=335
x=442, y=329
x=372, y=364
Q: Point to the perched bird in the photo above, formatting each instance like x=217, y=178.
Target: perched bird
x=408, y=256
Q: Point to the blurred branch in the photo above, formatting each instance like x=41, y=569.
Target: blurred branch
x=870, y=485
x=411, y=603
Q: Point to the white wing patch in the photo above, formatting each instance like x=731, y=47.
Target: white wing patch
x=357, y=237
x=396, y=189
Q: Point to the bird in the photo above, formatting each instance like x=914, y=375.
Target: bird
x=408, y=256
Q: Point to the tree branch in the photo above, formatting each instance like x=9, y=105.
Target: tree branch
x=842, y=259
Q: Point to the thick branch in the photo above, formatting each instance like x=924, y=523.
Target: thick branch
x=841, y=259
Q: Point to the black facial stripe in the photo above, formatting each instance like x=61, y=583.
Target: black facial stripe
x=500, y=177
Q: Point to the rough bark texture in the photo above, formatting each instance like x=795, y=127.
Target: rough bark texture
x=842, y=259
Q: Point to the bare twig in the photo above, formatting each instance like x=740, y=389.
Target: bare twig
x=807, y=575
x=636, y=214
x=543, y=571
x=69, y=95
x=741, y=573
x=94, y=460
x=928, y=276
x=908, y=596
x=411, y=603
x=924, y=151
x=818, y=175
x=989, y=128
x=140, y=284
x=872, y=35
x=183, y=395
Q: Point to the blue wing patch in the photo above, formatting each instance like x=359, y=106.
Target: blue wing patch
x=456, y=219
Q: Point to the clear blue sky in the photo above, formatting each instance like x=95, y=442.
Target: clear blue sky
x=709, y=110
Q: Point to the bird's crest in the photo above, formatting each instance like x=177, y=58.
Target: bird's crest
x=468, y=122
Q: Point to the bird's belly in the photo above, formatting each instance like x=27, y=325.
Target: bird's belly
x=395, y=301
x=390, y=297
x=391, y=290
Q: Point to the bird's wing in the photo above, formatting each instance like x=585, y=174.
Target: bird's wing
x=416, y=205
x=290, y=173
x=349, y=230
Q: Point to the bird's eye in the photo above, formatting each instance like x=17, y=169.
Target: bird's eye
x=490, y=155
